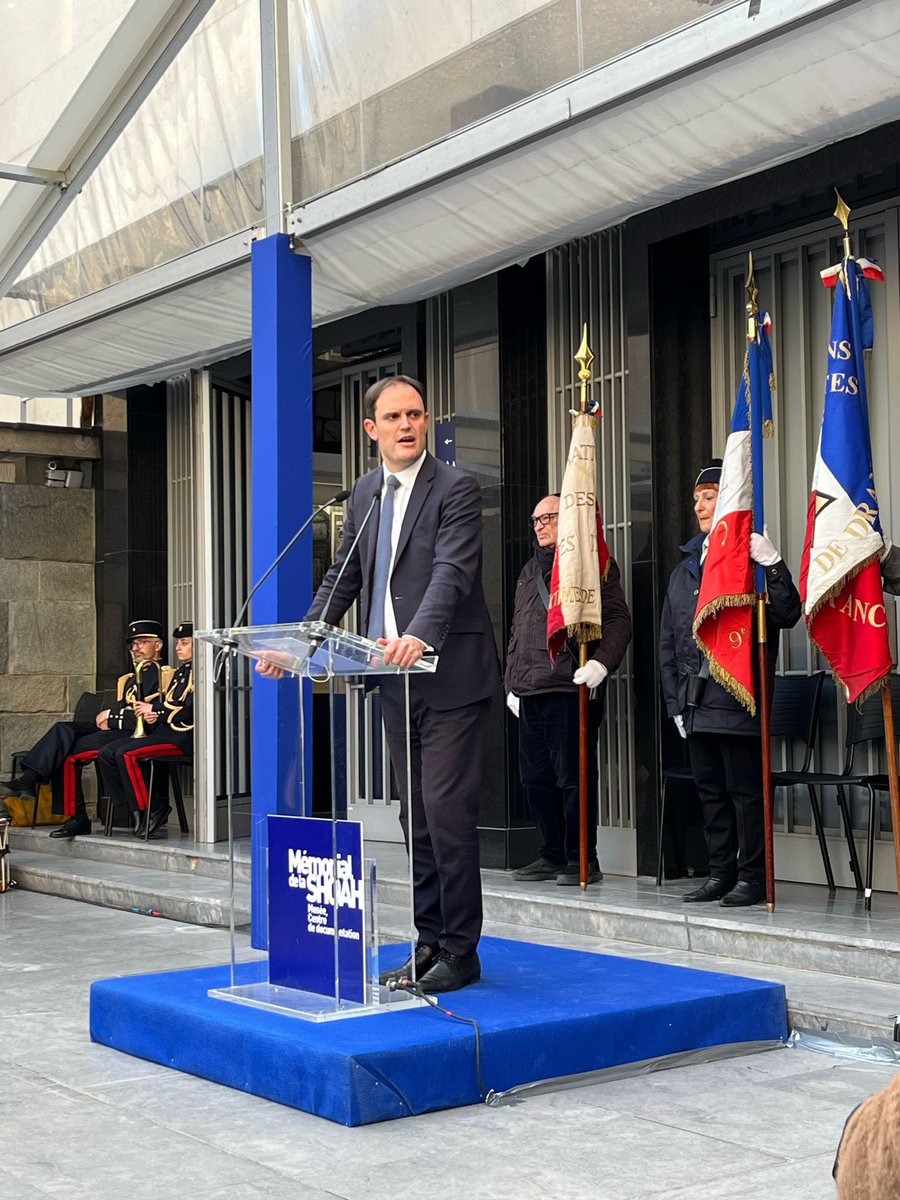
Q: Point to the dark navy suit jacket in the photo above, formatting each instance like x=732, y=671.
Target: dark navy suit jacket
x=435, y=585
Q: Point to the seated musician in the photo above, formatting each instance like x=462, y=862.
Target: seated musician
x=167, y=730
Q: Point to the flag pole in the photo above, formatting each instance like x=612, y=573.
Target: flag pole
x=584, y=358
x=756, y=436
x=842, y=212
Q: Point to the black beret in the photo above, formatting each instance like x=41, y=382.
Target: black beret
x=185, y=629
x=711, y=473
x=144, y=629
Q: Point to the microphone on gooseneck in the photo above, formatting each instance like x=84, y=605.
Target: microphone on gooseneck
x=340, y=575
x=338, y=499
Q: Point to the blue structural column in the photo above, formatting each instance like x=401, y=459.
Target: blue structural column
x=282, y=498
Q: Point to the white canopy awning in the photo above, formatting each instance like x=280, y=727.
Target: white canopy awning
x=730, y=95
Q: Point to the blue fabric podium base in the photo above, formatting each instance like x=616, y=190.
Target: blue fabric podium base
x=543, y=1013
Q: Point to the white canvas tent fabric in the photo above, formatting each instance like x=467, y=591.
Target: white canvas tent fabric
x=722, y=98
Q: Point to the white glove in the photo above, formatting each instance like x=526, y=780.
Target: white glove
x=591, y=674
x=512, y=703
x=762, y=551
x=679, y=724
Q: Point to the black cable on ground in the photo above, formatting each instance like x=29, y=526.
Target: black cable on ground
x=406, y=985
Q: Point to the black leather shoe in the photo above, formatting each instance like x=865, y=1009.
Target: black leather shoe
x=156, y=820
x=540, y=869
x=137, y=822
x=72, y=828
x=713, y=889
x=8, y=787
x=426, y=956
x=743, y=894
x=451, y=972
x=571, y=877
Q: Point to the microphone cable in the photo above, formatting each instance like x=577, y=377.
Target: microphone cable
x=407, y=985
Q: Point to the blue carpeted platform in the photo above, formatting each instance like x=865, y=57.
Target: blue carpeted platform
x=543, y=1012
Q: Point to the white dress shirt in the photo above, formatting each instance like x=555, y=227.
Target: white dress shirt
x=407, y=478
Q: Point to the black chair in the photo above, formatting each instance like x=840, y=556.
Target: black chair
x=865, y=724
x=795, y=717
x=164, y=760
x=171, y=762
x=89, y=704
x=682, y=774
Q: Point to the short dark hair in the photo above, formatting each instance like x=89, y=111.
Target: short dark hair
x=374, y=391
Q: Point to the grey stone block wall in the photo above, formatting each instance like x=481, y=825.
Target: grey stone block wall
x=47, y=627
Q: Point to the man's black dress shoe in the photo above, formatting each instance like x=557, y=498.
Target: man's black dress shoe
x=713, y=889
x=426, y=956
x=23, y=788
x=72, y=828
x=137, y=822
x=450, y=972
x=743, y=894
x=157, y=819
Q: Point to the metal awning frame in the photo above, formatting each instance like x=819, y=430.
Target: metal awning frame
x=134, y=60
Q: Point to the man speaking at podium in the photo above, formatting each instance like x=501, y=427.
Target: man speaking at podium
x=417, y=572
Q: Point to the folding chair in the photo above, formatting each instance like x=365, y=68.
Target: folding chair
x=795, y=717
x=864, y=724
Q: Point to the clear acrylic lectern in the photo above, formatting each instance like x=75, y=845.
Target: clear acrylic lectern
x=323, y=653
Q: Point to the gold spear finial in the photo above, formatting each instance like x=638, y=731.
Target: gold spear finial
x=752, y=297
x=584, y=358
x=842, y=212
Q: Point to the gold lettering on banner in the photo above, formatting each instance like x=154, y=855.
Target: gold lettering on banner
x=572, y=595
x=839, y=350
x=585, y=452
x=864, y=612
x=840, y=382
x=579, y=499
x=833, y=552
x=723, y=525
x=736, y=637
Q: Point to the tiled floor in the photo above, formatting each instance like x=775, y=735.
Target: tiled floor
x=80, y=1120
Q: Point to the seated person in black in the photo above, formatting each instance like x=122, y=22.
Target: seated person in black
x=144, y=682
x=168, y=729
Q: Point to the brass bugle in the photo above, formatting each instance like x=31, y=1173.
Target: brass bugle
x=140, y=667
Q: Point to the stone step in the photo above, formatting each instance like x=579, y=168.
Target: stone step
x=196, y=900
x=173, y=853
x=818, y=1002
x=849, y=943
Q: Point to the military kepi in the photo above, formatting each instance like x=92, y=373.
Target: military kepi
x=185, y=629
x=144, y=629
x=711, y=473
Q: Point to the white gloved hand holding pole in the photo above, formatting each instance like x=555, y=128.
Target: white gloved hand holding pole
x=679, y=724
x=762, y=551
x=512, y=703
x=591, y=674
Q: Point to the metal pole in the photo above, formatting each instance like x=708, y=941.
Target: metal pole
x=756, y=457
x=276, y=112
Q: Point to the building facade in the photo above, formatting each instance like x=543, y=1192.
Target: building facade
x=483, y=187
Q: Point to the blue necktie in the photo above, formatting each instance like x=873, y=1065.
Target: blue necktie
x=382, y=560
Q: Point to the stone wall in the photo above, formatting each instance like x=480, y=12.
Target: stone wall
x=47, y=621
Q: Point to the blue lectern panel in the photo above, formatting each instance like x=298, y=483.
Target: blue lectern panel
x=304, y=882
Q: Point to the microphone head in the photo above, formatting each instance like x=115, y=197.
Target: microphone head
x=341, y=497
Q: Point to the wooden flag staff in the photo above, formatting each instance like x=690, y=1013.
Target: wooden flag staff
x=842, y=212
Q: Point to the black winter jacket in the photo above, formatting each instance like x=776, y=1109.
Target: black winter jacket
x=679, y=655
x=528, y=667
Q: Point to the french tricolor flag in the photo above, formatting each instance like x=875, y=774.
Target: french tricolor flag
x=840, y=573
x=723, y=624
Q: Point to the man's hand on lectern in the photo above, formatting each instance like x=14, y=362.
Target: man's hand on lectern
x=402, y=651
x=275, y=665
